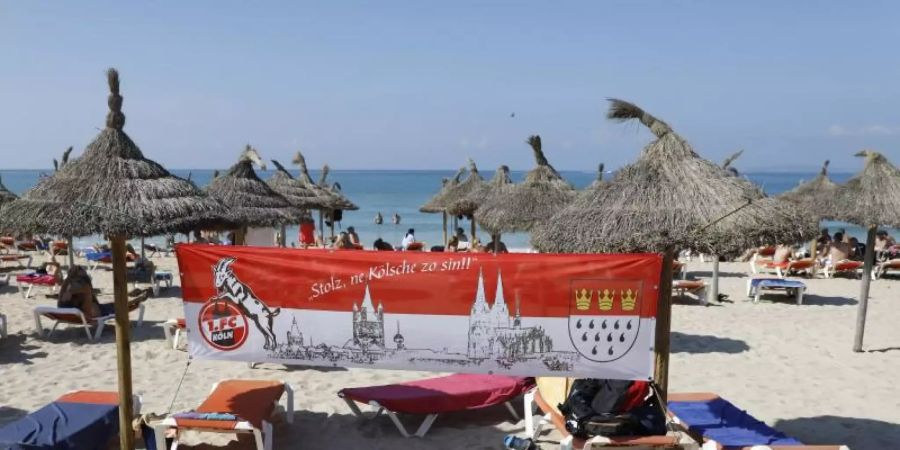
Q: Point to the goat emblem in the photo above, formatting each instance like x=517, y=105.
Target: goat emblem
x=229, y=287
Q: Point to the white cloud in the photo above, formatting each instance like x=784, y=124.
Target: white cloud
x=868, y=130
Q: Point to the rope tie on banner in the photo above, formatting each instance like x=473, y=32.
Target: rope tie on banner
x=187, y=365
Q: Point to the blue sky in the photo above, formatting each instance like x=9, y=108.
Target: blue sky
x=423, y=85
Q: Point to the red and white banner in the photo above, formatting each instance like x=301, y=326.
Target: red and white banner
x=522, y=314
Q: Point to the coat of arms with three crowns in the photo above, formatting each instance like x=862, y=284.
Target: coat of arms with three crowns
x=604, y=317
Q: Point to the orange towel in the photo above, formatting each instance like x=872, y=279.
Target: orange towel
x=94, y=397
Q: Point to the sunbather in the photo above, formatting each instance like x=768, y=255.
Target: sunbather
x=838, y=250
x=883, y=244
x=78, y=292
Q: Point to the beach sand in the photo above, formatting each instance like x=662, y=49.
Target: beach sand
x=791, y=366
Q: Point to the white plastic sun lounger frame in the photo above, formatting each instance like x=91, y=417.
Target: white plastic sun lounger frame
x=423, y=428
x=17, y=261
x=263, y=437
x=174, y=332
x=100, y=321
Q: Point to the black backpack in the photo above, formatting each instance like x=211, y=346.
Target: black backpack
x=613, y=408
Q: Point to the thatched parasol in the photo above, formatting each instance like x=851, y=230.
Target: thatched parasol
x=340, y=201
x=438, y=203
x=729, y=160
x=467, y=205
x=670, y=198
x=664, y=199
x=112, y=190
x=815, y=195
x=598, y=183
x=461, y=190
x=871, y=198
x=248, y=200
x=523, y=206
x=5, y=194
x=294, y=190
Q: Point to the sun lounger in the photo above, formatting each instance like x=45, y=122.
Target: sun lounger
x=552, y=416
x=78, y=420
x=15, y=260
x=32, y=280
x=882, y=268
x=415, y=247
x=783, y=269
x=794, y=288
x=74, y=316
x=234, y=407
x=174, y=328
x=846, y=266
x=696, y=288
x=719, y=424
x=434, y=396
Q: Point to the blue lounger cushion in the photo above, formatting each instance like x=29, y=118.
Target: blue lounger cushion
x=720, y=420
x=63, y=426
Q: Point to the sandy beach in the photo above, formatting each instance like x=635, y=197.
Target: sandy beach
x=789, y=365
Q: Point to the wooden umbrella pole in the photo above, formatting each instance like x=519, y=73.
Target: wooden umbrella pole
x=322, y=227
x=123, y=346
x=282, y=242
x=71, y=252
x=496, y=239
x=240, y=236
x=444, y=217
x=473, y=227
x=869, y=261
x=714, y=289
x=142, y=248
x=664, y=324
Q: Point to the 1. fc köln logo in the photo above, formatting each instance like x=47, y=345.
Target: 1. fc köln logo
x=604, y=317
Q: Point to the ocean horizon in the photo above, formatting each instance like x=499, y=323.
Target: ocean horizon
x=403, y=191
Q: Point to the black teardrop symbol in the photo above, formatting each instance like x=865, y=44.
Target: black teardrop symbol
x=591, y=325
x=609, y=337
x=603, y=325
x=597, y=337
x=616, y=326
x=578, y=324
x=622, y=337
x=610, y=351
x=584, y=337
x=628, y=326
x=594, y=351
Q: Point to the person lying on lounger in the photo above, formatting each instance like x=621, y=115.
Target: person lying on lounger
x=78, y=292
x=838, y=250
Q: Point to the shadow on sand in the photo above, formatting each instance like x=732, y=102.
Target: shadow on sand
x=708, y=274
x=9, y=414
x=15, y=350
x=698, y=343
x=821, y=300
x=856, y=433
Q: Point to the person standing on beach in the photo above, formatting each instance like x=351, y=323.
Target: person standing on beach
x=408, y=239
x=354, y=238
x=307, y=236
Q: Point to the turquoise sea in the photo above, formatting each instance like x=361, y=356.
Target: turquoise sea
x=403, y=191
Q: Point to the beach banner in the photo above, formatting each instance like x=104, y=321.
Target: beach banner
x=521, y=314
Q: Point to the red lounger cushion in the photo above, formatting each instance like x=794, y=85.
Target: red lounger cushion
x=443, y=394
x=847, y=265
x=251, y=400
x=43, y=280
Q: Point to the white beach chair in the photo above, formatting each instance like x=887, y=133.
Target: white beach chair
x=229, y=397
x=74, y=316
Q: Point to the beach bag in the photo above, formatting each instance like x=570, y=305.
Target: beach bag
x=612, y=408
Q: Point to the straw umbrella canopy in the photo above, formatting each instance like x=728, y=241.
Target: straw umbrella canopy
x=5, y=194
x=461, y=190
x=337, y=199
x=669, y=198
x=467, y=205
x=664, y=199
x=871, y=199
x=598, y=183
x=325, y=201
x=438, y=202
x=815, y=195
x=294, y=191
x=248, y=200
x=727, y=164
x=525, y=205
x=112, y=190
